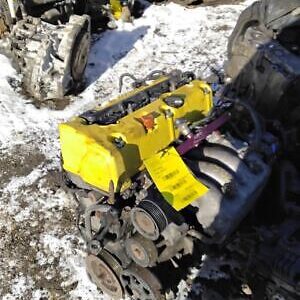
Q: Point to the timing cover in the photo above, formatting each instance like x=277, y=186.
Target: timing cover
x=111, y=142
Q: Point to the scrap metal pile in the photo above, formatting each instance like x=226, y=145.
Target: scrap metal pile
x=163, y=174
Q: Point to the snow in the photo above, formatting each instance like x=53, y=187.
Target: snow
x=41, y=253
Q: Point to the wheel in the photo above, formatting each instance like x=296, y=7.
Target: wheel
x=74, y=49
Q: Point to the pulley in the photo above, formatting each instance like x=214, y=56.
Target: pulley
x=149, y=219
x=141, y=250
x=104, y=271
x=140, y=283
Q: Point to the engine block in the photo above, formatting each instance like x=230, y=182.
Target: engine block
x=164, y=175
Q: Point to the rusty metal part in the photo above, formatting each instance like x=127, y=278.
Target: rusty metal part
x=52, y=58
x=3, y=27
x=148, y=219
x=111, y=198
x=5, y=18
x=109, y=217
x=141, y=250
x=140, y=283
x=104, y=271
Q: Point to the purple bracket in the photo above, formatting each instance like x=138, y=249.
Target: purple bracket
x=202, y=134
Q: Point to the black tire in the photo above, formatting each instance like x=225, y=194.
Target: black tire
x=271, y=16
x=269, y=19
x=249, y=17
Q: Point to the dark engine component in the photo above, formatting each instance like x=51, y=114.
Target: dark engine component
x=271, y=255
x=264, y=61
x=49, y=43
x=271, y=82
x=49, y=40
x=264, y=65
x=261, y=22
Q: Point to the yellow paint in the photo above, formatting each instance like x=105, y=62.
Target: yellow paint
x=116, y=9
x=173, y=179
x=89, y=151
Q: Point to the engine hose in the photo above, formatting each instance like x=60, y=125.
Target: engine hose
x=256, y=142
x=121, y=79
x=154, y=75
x=139, y=82
x=189, y=75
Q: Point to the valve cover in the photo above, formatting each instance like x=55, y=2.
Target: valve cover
x=111, y=142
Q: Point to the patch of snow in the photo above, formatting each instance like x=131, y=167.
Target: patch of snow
x=17, y=182
x=20, y=285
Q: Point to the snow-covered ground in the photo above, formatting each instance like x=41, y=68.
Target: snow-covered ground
x=41, y=253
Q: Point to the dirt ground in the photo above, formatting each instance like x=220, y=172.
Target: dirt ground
x=23, y=225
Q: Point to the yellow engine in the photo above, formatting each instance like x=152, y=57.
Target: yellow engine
x=156, y=176
x=110, y=143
